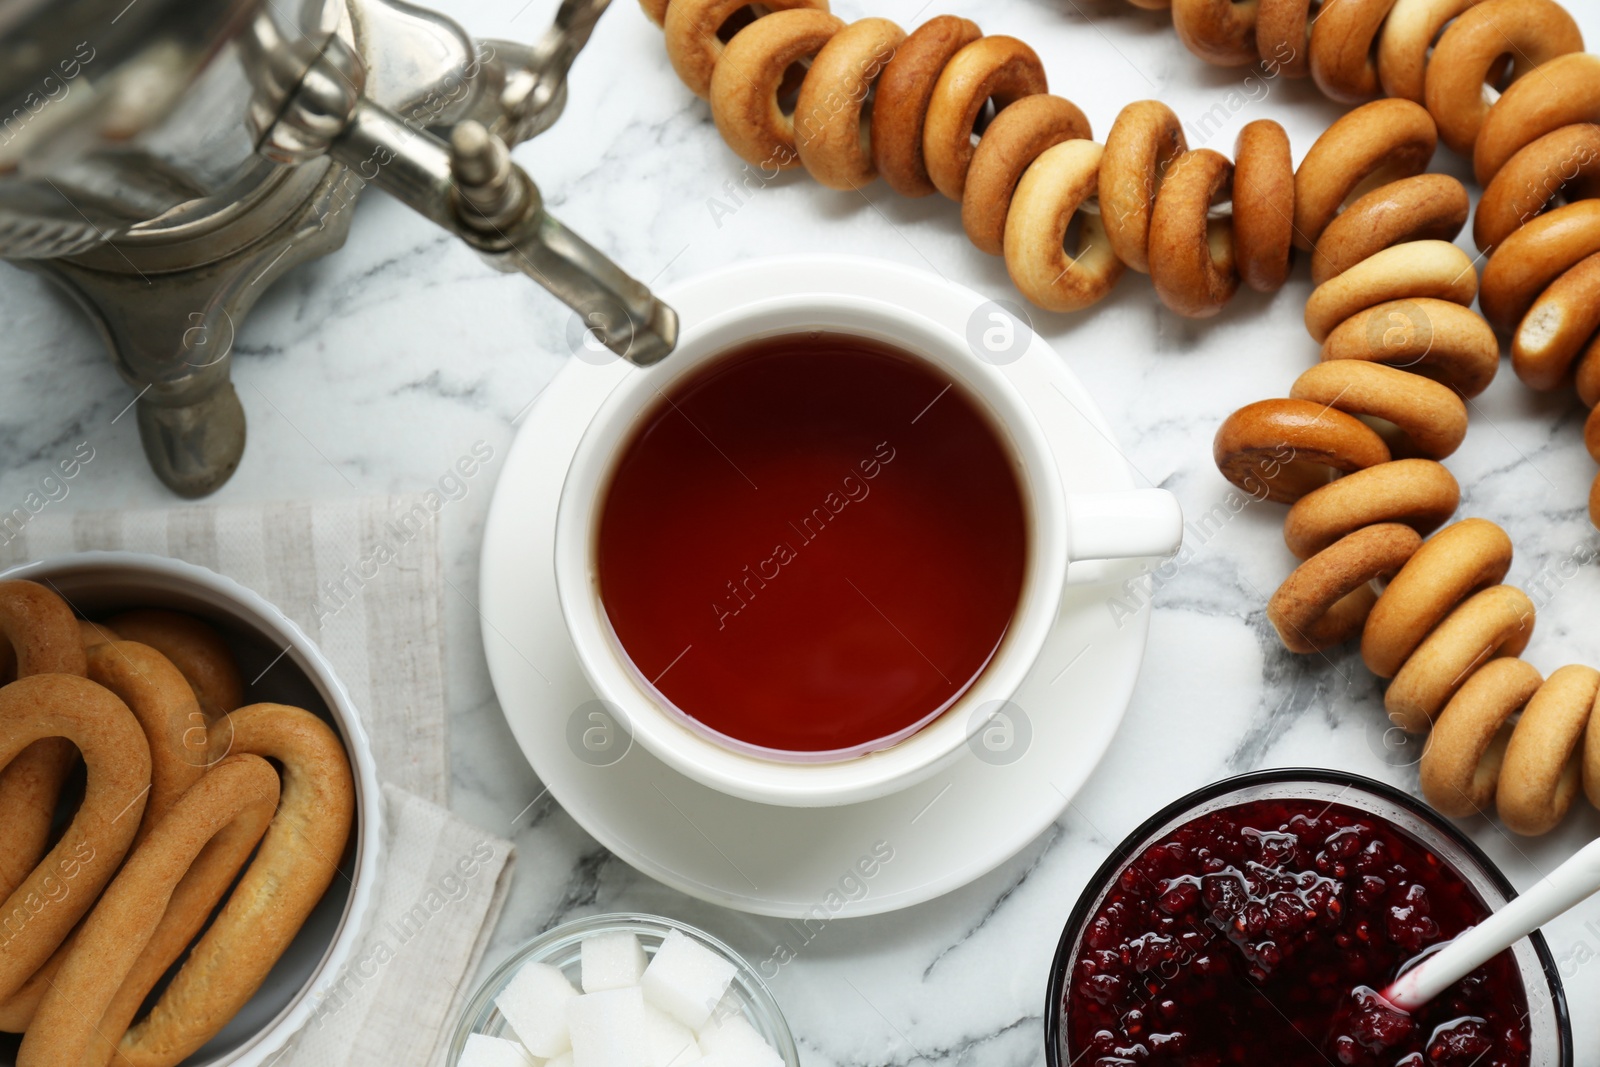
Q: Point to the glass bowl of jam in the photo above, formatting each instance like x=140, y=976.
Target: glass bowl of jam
x=1257, y=921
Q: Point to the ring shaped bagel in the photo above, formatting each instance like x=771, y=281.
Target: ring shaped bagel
x=194, y=647
x=1281, y=450
x=1533, y=257
x=235, y=800
x=1016, y=137
x=1557, y=328
x=1222, y=32
x=1373, y=145
x=1462, y=759
x=1591, y=756
x=1002, y=69
x=744, y=87
x=1403, y=46
x=1283, y=40
x=1325, y=601
x=1451, y=566
x=655, y=10
x=113, y=746
x=1144, y=140
x=1415, y=269
x=1431, y=416
x=298, y=858
x=43, y=638
x=95, y=633
x=692, y=33
x=1263, y=205
x=1591, y=434
x=1418, y=493
x=1191, y=254
x=1473, y=50
x=1342, y=47
x=1587, y=377
x=1564, y=91
x=1496, y=622
x=1543, y=769
x=1564, y=161
x=1437, y=339
x=834, y=144
x=1594, y=509
x=160, y=698
x=904, y=90
x=1424, y=207
x=193, y=901
x=1050, y=193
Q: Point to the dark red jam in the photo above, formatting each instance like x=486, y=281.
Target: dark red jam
x=1257, y=934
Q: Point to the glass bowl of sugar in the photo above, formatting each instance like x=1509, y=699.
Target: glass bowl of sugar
x=623, y=990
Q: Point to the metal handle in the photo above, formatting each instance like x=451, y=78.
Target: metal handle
x=535, y=92
x=469, y=185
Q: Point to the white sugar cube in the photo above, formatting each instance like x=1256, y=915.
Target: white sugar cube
x=535, y=1005
x=611, y=961
x=686, y=979
x=672, y=1044
x=609, y=1029
x=484, y=1051
x=735, y=1037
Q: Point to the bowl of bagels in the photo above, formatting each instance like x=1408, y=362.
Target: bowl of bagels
x=190, y=818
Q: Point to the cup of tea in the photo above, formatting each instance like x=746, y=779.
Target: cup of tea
x=798, y=556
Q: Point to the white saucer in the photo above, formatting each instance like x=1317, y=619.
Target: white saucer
x=791, y=862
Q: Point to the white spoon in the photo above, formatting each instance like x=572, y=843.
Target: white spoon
x=1563, y=888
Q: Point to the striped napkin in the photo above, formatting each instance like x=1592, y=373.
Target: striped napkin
x=362, y=578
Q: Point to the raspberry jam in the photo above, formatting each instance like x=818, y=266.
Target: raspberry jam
x=1257, y=934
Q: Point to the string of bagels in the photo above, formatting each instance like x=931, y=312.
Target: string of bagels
x=1355, y=448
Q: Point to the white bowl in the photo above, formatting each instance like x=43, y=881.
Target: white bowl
x=99, y=583
x=562, y=948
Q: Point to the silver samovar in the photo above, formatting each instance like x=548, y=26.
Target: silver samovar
x=167, y=160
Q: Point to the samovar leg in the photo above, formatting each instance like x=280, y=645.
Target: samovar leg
x=194, y=448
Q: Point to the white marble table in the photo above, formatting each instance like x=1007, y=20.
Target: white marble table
x=372, y=371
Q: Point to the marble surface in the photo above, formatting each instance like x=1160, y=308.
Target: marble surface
x=372, y=371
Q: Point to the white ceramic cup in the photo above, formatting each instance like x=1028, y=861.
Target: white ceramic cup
x=1062, y=528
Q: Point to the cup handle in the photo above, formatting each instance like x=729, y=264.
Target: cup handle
x=1130, y=524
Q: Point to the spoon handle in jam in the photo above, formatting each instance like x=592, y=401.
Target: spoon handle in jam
x=1563, y=888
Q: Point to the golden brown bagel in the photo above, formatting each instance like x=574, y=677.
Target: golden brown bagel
x=1002, y=69
x=298, y=858
x=1451, y=566
x=194, y=647
x=904, y=91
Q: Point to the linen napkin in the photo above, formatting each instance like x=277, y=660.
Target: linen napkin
x=362, y=578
